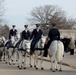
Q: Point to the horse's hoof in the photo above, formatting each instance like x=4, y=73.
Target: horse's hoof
x=24, y=68
x=22, y=62
x=11, y=60
x=50, y=68
x=42, y=68
x=56, y=69
x=60, y=70
x=6, y=62
x=53, y=71
x=16, y=60
x=36, y=68
x=13, y=63
x=17, y=66
x=31, y=66
x=20, y=68
x=10, y=64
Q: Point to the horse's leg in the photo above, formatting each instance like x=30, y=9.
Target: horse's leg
x=17, y=55
x=60, y=66
x=20, y=60
x=42, y=59
x=6, y=55
x=24, y=62
x=10, y=55
x=51, y=62
x=14, y=56
x=56, y=65
x=36, y=59
x=34, y=56
x=3, y=55
x=30, y=60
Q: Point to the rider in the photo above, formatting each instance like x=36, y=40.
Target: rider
x=53, y=34
x=12, y=32
x=35, y=36
x=25, y=35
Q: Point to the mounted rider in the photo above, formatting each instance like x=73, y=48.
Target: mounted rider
x=12, y=32
x=25, y=35
x=53, y=34
x=35, y=36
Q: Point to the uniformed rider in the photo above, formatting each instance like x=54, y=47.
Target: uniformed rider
x=12, y=32
x=25, y=35
x=35, y=36
x=53, y=34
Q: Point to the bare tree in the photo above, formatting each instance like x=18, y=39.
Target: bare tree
x=48, y=14
x=4, y=31
x=41, y=14
x=1, y=10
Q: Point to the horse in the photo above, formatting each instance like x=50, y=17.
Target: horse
x=56, y=52
x=11, y=51
x=39, y=50
x=24, y=49
x=2, y=40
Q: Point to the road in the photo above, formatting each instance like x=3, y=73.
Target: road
x=6, y=69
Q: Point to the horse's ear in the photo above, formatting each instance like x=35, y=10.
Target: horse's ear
x=42, y=36
x=30, y=40
x=3, y=38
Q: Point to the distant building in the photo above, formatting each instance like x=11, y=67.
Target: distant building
x=68, y=33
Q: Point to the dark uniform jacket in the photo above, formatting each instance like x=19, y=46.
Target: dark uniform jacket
x=36, y=34
x=54, y=34
x=12, y=33
x=66, y=42
x=25, y=35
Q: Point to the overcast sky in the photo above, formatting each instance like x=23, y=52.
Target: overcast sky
x=18, y=10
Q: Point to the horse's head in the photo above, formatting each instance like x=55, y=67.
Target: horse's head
x=27, y=45
x=42, y=41
x=13, y=39
x=2, y=40
x=18, y=36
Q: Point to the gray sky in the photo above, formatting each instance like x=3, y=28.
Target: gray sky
x=18, y=10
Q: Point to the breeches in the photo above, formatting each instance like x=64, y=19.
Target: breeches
x=33, y=43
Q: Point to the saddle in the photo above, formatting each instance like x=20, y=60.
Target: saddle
x=46, y=40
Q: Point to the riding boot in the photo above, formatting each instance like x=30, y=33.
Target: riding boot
x=71, y=51
x=31, y=52
x=45, y=50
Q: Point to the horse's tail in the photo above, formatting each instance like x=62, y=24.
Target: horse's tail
x=60, y=51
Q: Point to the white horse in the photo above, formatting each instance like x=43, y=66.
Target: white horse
x=56, y=52
x=11, y=49
x=24, y=49
x=2, y=40
x=39, y=51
